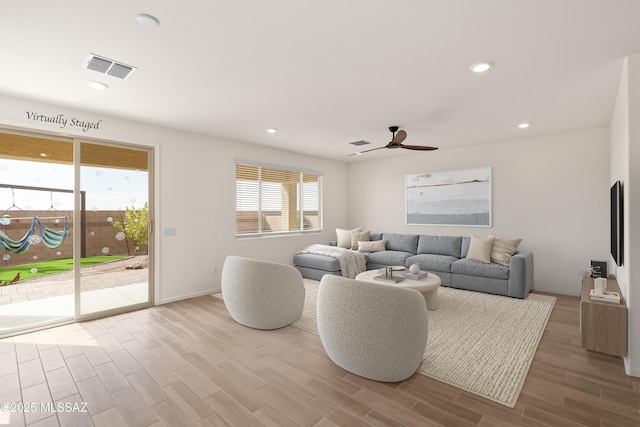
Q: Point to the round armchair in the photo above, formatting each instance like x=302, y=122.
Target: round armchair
x=262, y=294
x=374, y=330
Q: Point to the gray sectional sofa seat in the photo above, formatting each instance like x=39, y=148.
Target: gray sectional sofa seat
x=441, y=255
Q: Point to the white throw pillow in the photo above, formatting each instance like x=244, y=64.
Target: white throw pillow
x=372, y=246
x=503, y=248
x=344, y=237
x=480, y=249
x=358, y=236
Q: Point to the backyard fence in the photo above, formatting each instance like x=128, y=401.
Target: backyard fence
x=100, y=237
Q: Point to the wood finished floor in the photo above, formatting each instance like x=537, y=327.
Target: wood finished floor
x=189, y=364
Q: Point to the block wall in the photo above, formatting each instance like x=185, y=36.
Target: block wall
x=100, y=237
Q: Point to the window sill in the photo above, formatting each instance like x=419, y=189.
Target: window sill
x=280, y=234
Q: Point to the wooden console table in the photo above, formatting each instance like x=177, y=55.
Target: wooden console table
x=603, y=326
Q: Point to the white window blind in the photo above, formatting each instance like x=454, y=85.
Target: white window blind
x=276, y=200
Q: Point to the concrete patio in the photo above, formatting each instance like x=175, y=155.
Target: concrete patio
x=29, y=290
x=48, y=299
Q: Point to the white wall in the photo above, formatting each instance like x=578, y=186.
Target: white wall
x=625, y=167
x=619, y=168
x=201, y=175
x=550, y=191
x=196, y=172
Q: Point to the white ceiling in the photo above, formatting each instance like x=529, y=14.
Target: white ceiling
x=329, y=72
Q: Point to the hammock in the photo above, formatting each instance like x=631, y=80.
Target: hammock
x=51, y=238
x=18, y=246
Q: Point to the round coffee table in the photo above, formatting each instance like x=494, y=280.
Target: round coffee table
x=428, y=286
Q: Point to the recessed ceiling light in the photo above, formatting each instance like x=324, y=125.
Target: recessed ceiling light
x=480, y=67
x=272, y=130
x=43, y=154
x=147, y=20
x=523, y=125
x=98, y=85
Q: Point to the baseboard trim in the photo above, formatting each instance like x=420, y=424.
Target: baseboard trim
x=556, y=291
x=187, y=296
x=628, y=369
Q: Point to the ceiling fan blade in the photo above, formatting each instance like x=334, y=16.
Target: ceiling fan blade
x=366, y=151
x=400, y=136
x=396, y=142
x=419, y=147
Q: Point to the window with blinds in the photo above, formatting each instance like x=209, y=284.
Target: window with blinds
x=276, y=200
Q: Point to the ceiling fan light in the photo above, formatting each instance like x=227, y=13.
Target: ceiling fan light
x=481, y=67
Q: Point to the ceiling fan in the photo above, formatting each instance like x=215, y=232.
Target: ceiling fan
x=396, y=142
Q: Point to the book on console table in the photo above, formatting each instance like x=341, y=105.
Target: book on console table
x=608, y=297
x=420, y=275
x=394, y=279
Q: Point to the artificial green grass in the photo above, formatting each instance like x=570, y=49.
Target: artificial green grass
x=50, y=267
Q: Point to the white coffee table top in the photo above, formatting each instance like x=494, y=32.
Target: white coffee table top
x=428, y=283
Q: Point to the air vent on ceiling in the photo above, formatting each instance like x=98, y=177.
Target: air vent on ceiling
x=109, y=66
x=359, y=143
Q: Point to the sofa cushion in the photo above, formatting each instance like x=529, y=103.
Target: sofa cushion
x=480, y=248
x=401, y=242
x=470, y=267
x=389, y=257
x=430, y=262
x=466, y=241
x=344, y=237
x=375, y=236
x=358, y=236
x=440, y=245
x=503, y=249
x=372, y=246
x=319, y=262
x=480, y=284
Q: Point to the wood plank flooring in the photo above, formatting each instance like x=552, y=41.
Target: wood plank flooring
x=189, y=364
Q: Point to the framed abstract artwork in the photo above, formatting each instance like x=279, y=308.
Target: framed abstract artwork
x=460, y=197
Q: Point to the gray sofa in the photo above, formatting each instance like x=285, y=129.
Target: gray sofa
x=441, y=255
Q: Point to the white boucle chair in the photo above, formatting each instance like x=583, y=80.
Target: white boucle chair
x=374, y=330
x=262, y=294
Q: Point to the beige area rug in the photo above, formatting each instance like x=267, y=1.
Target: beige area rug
x=481, y=343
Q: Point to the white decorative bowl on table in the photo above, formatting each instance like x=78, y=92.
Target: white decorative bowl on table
x=427, y=285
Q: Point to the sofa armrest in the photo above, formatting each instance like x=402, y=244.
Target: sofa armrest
x=520, y=274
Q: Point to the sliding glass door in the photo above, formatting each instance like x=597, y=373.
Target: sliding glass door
x=36, y=229
x=76, y=240
x=116, y=219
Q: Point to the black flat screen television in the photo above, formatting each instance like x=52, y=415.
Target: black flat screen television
x=617, y=223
